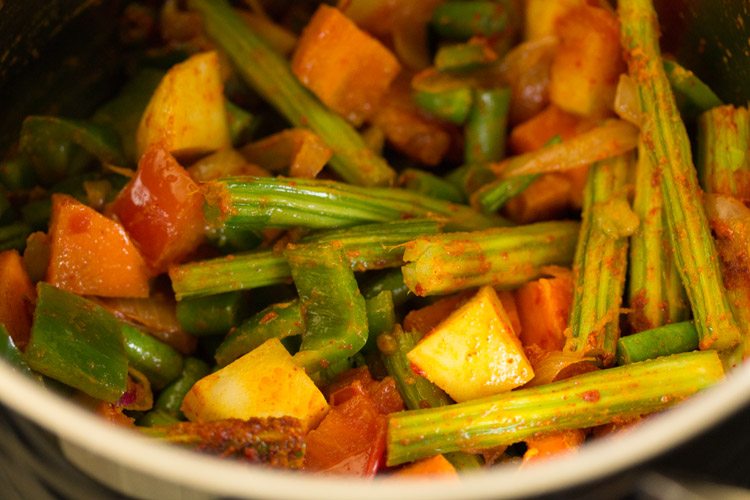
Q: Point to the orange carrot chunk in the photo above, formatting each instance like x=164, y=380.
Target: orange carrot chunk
x=91, y=254
x=16, y=297
x=544, y=307
x=162, y=209
x=541, y=447
x=345, y=67
x=433, y=466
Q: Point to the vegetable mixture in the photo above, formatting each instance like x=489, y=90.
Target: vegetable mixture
x=382, y=237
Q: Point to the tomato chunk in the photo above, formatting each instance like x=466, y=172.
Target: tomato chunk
x=350, y=440
x=162, y=209
x=91, y=254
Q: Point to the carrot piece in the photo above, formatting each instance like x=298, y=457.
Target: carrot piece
x=541, y=447
x=508, y=300
x=433, y=466
x=298, y=151
x=544, y=307
x=542, y=127
x=408, y=130
x=17, y=296
x=584, y=73
x=546, y=198
x=345, y=67
x=162, y=209
x=91, y=254
x=426, y=318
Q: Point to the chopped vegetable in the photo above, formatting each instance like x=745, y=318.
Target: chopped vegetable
x=263, y=383
x=186, y=114
x=93, y=255
x=78, y=343
x=345, y=67
x=474, y=352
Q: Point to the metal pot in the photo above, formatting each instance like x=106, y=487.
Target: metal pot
x=55, y=53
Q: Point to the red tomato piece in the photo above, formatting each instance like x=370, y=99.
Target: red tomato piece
x=350, y=440
x=162, y=209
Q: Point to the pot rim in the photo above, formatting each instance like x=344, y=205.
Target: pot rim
x=215, y=476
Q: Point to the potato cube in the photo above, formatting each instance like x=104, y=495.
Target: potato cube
x=588, y=63
x=187, y=112
x=474, y=352
x=263, y=383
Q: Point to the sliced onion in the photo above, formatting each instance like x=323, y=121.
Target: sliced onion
x=157, y=314
x=410, y=20
x=550, y=366
x=627, y=105
x=526, y=69
x=611, y=138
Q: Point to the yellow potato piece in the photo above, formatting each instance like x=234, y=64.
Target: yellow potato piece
x=263, y=383
x=187, y=110
x=474, y=352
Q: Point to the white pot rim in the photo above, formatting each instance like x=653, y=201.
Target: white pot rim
x=223, y=478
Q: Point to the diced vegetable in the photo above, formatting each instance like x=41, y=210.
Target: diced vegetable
x=186, y=114
x=345, y=67
x=17, y=297
x=78, y=343
x=435, y=466
x=298, y=152
x=161, y=208
x=584, y=73
x=263, y=383
x=661, y=341
x=547, y=445
x=156, y=360
x=91, y=254
x=474, y=352
x=543, y=307
x=211, y=315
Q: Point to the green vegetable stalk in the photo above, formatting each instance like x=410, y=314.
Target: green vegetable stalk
x=269, y=74
x=13, y=236
x=692, y=95
x=333, y=309
x=464, y=19
x=724, y=151
x=160, y=363
x=79, y=343
x=501, y=257
x=430, y=185
x=366, y=247
x=58, y=147
x=255, y=202
x=668, y=147
x=451, y=104
x=275, y=321
x=464, y=56
x=587, y=400
x=170, y=399
x=416, y=391
x=655, y=293
x=486, y=126
x=661, y=341
x=212, y=314
x=600, y=261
